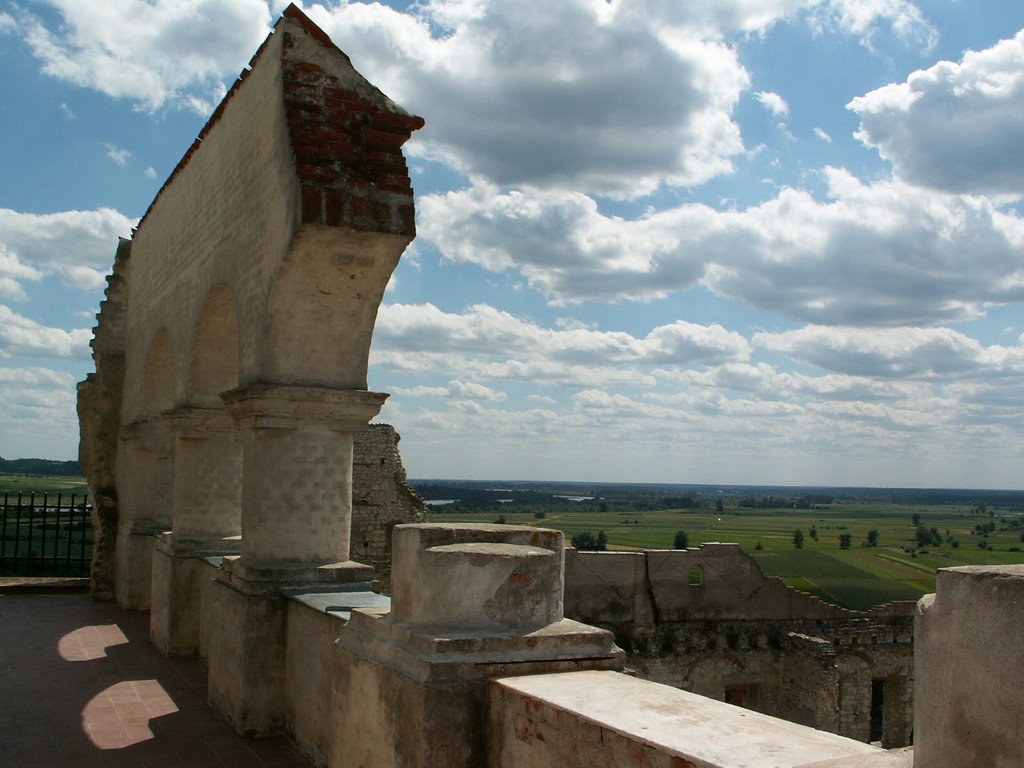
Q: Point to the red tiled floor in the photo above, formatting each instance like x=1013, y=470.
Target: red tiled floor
x=81, y=686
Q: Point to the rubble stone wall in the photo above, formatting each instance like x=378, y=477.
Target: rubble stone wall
x=708, y=620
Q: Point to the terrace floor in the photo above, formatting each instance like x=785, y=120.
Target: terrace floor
x=81, y=685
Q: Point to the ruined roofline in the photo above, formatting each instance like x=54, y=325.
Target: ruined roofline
x=293, y=13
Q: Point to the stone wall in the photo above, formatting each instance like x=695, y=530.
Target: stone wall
x=99, y=413
x=708, y=620
x=381, y=499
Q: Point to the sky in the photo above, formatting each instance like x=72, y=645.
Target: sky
x=712, y=241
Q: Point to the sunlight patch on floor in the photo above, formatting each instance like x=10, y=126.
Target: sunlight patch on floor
x=88, y=643
x=119, y=716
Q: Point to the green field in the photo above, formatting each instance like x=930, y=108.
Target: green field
x=858, y=577
x=43, y=542
x=40, y=484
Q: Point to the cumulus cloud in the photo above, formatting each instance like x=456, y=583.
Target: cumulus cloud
x=32, y=397
x=484, y=330
x=905, y=353
x=155, y=53
x=957, y=127
x=20, y=335
x=618, y=106
x=455, y=390
x=822, y=134
x=12, y=272
x=878, y=254
x=78, y=246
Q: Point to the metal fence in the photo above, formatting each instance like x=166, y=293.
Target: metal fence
x=45, y=535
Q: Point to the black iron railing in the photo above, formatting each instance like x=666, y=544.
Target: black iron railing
x=41, y=535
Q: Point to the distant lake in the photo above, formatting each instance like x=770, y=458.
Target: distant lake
x=575, y=498
x=439, y=502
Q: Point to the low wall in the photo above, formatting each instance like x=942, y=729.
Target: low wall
x=606, y=719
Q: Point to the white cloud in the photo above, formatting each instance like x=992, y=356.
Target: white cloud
x=775, y=104
x=119, y=155
x=156, y=53
x=957, y=127
x=12, y=272
x=879, y=254
x=904, y=353
x=38, y=412
x=864, y=17
x=823, y=135
x=618, y=106
x=78, y=246
x=20, y=335
x=150, y=172
x=483, y=331
x=67, y=111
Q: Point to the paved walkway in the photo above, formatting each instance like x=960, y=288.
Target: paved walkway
x=82, y=687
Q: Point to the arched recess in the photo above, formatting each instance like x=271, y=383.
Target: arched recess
x=322, y=309
x=144, y=469
x=213, y=365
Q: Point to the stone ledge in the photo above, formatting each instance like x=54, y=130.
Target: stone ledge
x=893, y=758
x=654, y=723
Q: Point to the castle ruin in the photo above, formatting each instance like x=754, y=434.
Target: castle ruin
x=241, y=498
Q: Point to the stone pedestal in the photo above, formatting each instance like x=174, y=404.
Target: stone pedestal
x=296, y=513
x=144, y=486
x=136, y=541
x=969, y=669
x=206, y=521
x=469, y=603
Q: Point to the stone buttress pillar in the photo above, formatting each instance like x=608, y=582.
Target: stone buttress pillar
x=206, y=522
x=144, y=467
x=296, y=514
x=469, y=603
x=969, y=669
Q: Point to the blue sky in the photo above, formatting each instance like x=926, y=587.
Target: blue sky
x=718, y=241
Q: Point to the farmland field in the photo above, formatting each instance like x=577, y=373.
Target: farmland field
x=897, y=568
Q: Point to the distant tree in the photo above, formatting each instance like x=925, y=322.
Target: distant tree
x=873, y=538
x=682, y=540
x=798, y=539
x=602, y=541
x=983, y=544
x=814, y=533
x=603, y=507
x=584, y=540
x=540, y=514
x=844, y=540
x=501, y=520
x=719, y=506
x=759, y=546
x=924, y=536
x=915, y=519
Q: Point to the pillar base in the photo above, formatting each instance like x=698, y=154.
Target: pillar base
x=178, y=567
x=136, y=540
x=390, y=675
x=245, y=619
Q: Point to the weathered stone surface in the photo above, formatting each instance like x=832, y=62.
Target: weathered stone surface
x=428, y=660
x=477, y=576
x=609, y=720
x=707, y=620
x=969, y=669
